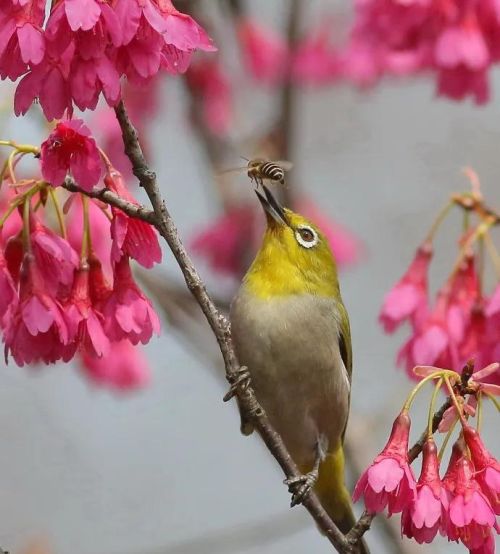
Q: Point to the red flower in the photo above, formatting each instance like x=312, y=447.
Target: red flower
x=486, y=466
x=128, y=314
x=70, y=148
x=37, y=330
x=53, y=255
x=47, y=82
x=408, y=298
x=225, y=243
x=123, y=368
x=21, y=37
x=8, y=292
x=85, y=323
x=423, y=518
x=470, y=517
x=131, y=236
x=315, y=61
x=265, y=51
x=389, y=481
x=210, y=82
x=155, y=34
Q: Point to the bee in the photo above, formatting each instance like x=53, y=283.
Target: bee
x=260, y=170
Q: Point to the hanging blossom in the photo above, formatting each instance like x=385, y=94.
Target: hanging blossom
x=463, y=321
x=463, y=503
x=265, y=52
x=456, y=40
x=67, y=289
x=210, y=84
x=84, y=47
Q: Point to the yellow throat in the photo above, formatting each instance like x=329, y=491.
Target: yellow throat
x=294, y=258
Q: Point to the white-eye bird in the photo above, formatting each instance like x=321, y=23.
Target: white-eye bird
x=291, y=330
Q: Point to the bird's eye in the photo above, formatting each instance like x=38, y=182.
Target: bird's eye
x=306, y=236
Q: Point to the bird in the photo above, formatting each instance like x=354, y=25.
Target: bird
x=291, y=331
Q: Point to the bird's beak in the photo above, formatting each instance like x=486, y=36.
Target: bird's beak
x=274, y=212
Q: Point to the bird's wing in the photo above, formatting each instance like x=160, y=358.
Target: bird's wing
x=345, y=348
x=345, y=339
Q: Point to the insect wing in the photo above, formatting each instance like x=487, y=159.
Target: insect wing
x=284, y=164
x=233, y=170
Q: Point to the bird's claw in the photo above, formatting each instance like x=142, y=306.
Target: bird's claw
x=240, y=381
x=301, y=486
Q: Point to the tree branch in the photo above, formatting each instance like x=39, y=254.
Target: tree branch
x=220, y=327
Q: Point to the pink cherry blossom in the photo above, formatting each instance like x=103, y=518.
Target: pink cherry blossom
x=470, y=516
x=8, y=292
x=14, y=253
x=224, y=243
x=486, y=466
x=128, y=313
x=85, y=323
x=423, y=518
x=100, y=287
x=315, y=61
x=455, y=40
x=54, y=256
x=47, y=82
x=155, y=34
x=408, y=298
x=100, y=230
x=70, y=148
x=131, y=236
x=123, y=368
x=37, y=330
x=484, y=379
x=21, y=37
x=389, y=481
x=182, y=31
x=265, y=51
x=210, y=83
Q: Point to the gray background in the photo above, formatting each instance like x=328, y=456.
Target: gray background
x=165, y=469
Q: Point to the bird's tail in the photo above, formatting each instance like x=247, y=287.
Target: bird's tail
x=334, y=496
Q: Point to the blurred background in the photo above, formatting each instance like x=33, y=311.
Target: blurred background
x=164, y=470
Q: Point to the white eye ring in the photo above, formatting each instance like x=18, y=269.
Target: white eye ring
x=306, y=236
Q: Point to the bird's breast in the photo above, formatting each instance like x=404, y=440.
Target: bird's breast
x=291, y=347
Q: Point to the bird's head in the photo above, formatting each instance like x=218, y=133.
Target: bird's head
x=294, y=258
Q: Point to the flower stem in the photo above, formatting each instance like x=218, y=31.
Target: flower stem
x=447, y=439
x=439, y=220
x=479, y=410
x=493, y=252
x=454, y=400
x=432, y=407
x=26, y=222
x=480, y=230
x=86, y=241
x=59, y=214
x=442, y=373
x=26, y=148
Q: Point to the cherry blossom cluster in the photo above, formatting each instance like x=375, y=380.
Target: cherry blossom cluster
x=66, y=285
x=81, y=48
x=456, y=39
x=462, y=505
x=462, y=322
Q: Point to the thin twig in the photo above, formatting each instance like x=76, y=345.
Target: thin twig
x=109, y=197
x=220, y=327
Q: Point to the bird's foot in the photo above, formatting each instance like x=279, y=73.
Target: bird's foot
x=241, y=381
x=301, y=486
